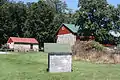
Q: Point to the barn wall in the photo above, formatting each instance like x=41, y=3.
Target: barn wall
x=66, y=39
x=63, y=30
x=25, y=47
x=22, y=47
x=36, y=48
x=11, y=45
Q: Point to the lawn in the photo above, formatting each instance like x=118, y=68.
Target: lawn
x=33, y=67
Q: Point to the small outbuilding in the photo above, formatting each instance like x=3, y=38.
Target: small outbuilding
x=23, y=44
x=67, y=34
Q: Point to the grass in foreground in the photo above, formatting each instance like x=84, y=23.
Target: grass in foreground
x=33, y=67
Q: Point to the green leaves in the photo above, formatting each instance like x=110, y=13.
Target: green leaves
x=26, y=20
x=97, y=17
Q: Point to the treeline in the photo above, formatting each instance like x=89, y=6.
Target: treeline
x=42, y=19
x=39, y=20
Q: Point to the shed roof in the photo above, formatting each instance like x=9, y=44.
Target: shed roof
x=22, y=40
x=72, y=27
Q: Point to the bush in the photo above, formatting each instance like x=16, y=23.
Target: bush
x=97, y=46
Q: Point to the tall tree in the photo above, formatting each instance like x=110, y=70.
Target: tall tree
x=3, y=2
x=12, y=18
x=95, y=18
x=58, y=5
x=38, y=21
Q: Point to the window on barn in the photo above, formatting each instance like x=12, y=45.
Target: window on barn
x=31, y=46
x=63, y=28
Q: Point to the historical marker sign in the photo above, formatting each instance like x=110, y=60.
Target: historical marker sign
x=60, y=62
x=56, y=47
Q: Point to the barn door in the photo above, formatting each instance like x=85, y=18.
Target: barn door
x=31, y=46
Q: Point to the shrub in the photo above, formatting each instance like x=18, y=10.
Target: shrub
x=97, y=46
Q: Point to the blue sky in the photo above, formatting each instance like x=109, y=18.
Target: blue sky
x=73, y=3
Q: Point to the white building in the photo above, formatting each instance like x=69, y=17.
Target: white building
x=23, y=44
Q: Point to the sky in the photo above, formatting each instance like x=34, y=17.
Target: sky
x=73, y=3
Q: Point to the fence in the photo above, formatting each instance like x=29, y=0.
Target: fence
x=6, y=50
x=16, y=50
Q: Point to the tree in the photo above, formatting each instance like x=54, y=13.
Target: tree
x=38, y=21
x=12, y=18
x=58, y=5
x=21, y=20
x=95, y=18
x=3, y=2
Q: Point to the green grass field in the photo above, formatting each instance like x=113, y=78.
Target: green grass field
x=33, y=67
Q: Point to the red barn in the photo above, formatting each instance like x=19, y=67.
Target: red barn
x=23, y=44
x=67, y=34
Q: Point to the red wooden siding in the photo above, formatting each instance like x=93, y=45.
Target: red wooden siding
x=10, y=40
x=108, y=45
x=84, y=38
x=63, y=30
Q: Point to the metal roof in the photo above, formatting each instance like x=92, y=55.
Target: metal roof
x=114, y=33
x=72, y=27
x=22, y=40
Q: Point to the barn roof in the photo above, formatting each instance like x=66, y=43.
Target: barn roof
x=72, y=27
x=22, y=40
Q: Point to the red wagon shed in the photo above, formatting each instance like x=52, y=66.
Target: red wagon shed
x=23, y=44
